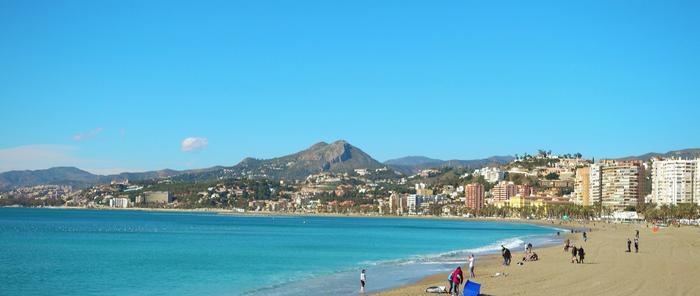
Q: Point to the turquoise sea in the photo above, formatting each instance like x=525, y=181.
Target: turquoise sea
x=93, y=252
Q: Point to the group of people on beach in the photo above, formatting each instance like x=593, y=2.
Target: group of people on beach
x=456, y=277
x=577, y=253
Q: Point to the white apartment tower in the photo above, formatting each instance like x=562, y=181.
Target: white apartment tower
x=675, y=181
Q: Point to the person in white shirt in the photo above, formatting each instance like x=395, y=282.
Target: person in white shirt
x=471, y=266
x=363, y=278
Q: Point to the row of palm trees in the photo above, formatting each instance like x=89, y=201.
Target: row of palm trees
x=650, y=211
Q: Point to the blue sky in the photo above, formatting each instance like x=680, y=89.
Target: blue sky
x=119, y=85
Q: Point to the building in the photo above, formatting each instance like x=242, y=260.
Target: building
x=675, y=181
x=397, y=204
x=518, y=202
x=594, y=179
x=503, y=191
x=474, y=194
x=421, y=189
x=524, y=190
x=157, y=197
x=621, y=184
x=491, y=175
x=413, y=201
x=119, y=202
x=582, y=186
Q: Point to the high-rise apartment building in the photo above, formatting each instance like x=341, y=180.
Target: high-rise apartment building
x=675, y=181
x=503, y=191
x=621, y=184
x=582, y=186
x=474, y=194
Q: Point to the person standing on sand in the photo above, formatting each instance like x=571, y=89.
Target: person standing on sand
x=636, y=245
x=471, y=266
x=585, y=237
x=503, y=254
x=636, y=235
x=363, y=280
x=574, y=252
x=507, y=256
x=581, y=253
x=629, y=243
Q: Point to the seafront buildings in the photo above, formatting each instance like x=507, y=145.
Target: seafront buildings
x=617, y=185
x=675, y=181
x=582, y=186
x=474, y=194
x=503, y=191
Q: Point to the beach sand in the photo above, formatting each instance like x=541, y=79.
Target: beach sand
x=668, y=263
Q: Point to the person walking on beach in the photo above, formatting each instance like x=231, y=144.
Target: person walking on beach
x=636, y=245
x=503, y=254
x=585, y=237
x=471, y=266
x=581, y=253
x=629, y=243
x=637, y=232
x=566, y=246
x=507, y=256
x=574, y=253
x=363, y=280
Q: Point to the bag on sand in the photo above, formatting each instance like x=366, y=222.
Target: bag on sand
x=436, y=289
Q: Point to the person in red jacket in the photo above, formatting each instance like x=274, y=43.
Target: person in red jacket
x=456, y=277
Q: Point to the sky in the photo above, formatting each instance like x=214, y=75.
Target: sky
x=111, y=86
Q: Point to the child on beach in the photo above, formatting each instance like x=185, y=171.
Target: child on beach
x=363, y=279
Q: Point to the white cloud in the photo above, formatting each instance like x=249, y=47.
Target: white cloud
x=87, y=135
x=193, y=144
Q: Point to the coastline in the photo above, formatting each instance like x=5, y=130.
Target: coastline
x=666, y=264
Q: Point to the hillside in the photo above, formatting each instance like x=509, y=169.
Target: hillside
x=413, y=164
x=338, y=156
x=685, y=153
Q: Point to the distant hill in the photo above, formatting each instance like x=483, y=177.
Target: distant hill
x=685, y=153
x=413, y=164
x=77, y=177
x=338, y=156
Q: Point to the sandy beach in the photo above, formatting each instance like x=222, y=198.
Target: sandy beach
x=668, y=263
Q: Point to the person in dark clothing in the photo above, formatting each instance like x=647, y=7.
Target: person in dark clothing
x=637, y=233
x=581, y=253
x=574, y=252
x=629, y=245
x=636, y=245
x=507, y=256
x=585, y=237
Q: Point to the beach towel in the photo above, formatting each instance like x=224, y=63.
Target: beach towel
x=436, y=289
x=471, y=289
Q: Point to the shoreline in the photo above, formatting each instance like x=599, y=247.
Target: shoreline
x=666, y=264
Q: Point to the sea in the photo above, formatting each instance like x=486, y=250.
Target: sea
x=108, y=252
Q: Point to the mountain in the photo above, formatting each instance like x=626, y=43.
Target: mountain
x=78, y=178
x=413, y=164
x=58, y=175
x=338, y=157
x=685, y=153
